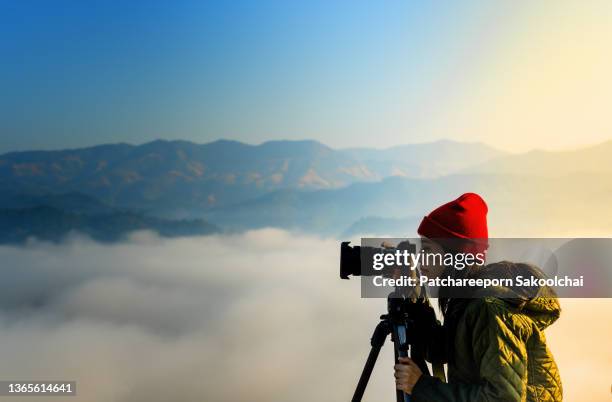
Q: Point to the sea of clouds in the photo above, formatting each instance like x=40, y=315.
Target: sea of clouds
x=259, y=316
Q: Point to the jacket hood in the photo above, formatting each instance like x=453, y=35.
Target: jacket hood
x=539, y=303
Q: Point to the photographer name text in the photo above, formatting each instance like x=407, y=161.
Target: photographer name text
x=518, y=281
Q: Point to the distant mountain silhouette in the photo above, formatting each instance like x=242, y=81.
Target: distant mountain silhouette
x=301, y=185
x=519, y=206
x=331, y=212
x=596, y=160
x=70, y=202
x=428, y=160
x=51, y=217
x=381, y=227
x=180, y=178
x=53, y=224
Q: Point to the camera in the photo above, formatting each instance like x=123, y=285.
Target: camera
x=359, y=261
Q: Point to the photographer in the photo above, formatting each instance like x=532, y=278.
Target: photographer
x=494, y=345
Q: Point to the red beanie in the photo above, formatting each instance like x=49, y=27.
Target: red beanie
x=464, y=218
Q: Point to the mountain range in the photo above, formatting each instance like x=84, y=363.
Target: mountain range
x=305, y=185
x=53, y=217
x=180, y=178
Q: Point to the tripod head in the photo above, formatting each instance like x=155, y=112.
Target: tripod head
x=403, y=313
x=404, y=334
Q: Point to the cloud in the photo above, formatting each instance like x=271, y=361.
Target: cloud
x=261, y=316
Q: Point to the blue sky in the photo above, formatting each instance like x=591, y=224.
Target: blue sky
x=347, y=73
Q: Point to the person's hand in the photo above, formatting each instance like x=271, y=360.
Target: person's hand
x=407, y=373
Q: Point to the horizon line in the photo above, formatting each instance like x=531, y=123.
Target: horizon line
x=441, y=140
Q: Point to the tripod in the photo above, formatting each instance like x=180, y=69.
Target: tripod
x=397, y=323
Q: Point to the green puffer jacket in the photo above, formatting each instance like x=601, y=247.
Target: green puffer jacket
x=496, y=351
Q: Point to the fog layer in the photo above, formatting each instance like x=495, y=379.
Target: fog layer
x=260, y=316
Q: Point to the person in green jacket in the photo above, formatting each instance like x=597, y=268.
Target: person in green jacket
x=492, y=342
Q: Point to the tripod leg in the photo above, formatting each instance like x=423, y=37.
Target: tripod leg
x=377, y=341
